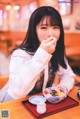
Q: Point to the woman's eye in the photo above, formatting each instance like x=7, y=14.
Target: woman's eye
x=43, y=27
x=56, y=27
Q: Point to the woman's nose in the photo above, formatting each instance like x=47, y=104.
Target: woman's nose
x=50, y=32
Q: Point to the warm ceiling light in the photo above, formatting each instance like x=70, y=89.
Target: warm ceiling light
x=8, y=7
x=17, y=7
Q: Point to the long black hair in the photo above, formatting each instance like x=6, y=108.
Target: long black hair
x=31, y=42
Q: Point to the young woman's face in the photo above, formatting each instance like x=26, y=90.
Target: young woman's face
x=44, y=30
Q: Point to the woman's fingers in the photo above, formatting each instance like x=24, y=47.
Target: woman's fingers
x=49, y=45
x=50, y=39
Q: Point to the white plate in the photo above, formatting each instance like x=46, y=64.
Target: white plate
x=37, y=99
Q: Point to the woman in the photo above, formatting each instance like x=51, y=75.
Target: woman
x=40, y=59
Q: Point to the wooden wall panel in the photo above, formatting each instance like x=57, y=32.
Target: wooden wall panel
x=72, y=44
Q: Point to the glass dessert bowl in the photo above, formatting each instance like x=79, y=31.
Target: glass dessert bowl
x=54, y=95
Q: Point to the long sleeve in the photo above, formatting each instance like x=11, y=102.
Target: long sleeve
x=24, y=71
x=67, y=76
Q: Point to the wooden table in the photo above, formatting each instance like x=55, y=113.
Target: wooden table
x=18, y=111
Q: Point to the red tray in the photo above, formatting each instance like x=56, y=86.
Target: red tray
x=51, y=108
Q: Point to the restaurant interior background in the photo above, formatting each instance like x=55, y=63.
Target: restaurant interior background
x=14, y=17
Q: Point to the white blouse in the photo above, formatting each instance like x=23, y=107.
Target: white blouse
x=25, y=70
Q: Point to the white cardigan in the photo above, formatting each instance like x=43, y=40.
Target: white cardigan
x=25, y=70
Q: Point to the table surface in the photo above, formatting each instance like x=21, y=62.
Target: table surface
x=18, y=111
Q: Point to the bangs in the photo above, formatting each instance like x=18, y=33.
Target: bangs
x=50, y=21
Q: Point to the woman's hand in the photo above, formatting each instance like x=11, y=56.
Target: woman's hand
x=49, y=45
